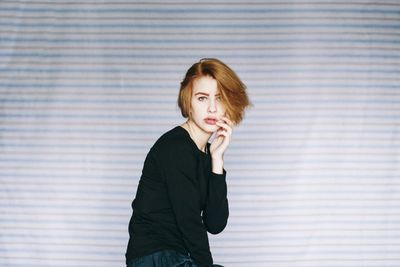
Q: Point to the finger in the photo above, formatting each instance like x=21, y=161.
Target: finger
x=221, y=142
x=225, y=131
x=224, y=125
x=224, y=141
x=217, y=142
x=223, y=122
x=228, y=121
x=224, y=134
x=219, y=136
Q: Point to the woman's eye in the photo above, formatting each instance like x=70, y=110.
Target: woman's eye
x=202, y=98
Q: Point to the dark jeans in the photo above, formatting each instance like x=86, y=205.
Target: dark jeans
x=164, y=258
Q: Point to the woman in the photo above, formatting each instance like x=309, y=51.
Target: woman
x=182, y=191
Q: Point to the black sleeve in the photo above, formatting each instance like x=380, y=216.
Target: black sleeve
x=179, y=169
x=216, y=212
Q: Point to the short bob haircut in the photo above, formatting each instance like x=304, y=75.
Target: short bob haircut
x=232, y=90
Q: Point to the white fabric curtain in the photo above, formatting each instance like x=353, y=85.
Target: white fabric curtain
x=86, y=87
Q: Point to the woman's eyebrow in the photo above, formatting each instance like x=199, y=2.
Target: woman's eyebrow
x=201, y=93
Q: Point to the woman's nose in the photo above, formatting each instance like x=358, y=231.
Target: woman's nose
x=212, y=107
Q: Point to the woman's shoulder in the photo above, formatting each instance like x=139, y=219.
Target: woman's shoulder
x=176, y=139
x=176, y=134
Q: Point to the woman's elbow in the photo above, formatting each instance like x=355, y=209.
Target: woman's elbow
x=216, y=224
x=216, y=228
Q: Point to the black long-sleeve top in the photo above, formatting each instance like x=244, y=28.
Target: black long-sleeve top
x=178, y=200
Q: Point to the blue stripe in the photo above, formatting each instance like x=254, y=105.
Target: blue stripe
x=56, y=115
x=214, y=26
x=99, y=117
x=75, y=252
x=133, y=179
x=235, y=145
x=214, y=41
x=366, y=221
x=268, y=101
x=329, y=220
x=288, y=146
x=139, y=162
x=87, y=178
x=295, y=238
x=134, y=118
x=324, y=208
x=86, y=101
x=101, y=191
x=272, y=224
x=51, y=262
x=42, y=159
x=15, y=237
x=115, y=70
x=267, y=253
x=60, y=263
x=85, y=236
x=376, y=190
x=90, y=204
x=55, y=86
x=156, y=133
x=80, y=146
x=351, y=257
x=120, y=89
x=373, y=9
x=196, y=55
x=320, y=101
x=65, y=130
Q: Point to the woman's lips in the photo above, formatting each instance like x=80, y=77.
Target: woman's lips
x=210, y=121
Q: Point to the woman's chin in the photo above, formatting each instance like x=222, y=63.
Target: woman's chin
x=209, y=128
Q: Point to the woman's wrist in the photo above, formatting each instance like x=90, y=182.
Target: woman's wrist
x=218, y=166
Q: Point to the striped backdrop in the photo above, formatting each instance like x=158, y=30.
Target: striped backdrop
x=86, y=87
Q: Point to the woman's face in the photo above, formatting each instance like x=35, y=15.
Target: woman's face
x=206, y=106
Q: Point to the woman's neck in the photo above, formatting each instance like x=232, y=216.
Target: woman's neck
x=199, y=136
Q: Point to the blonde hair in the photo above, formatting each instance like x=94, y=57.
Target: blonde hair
x=232, y=89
